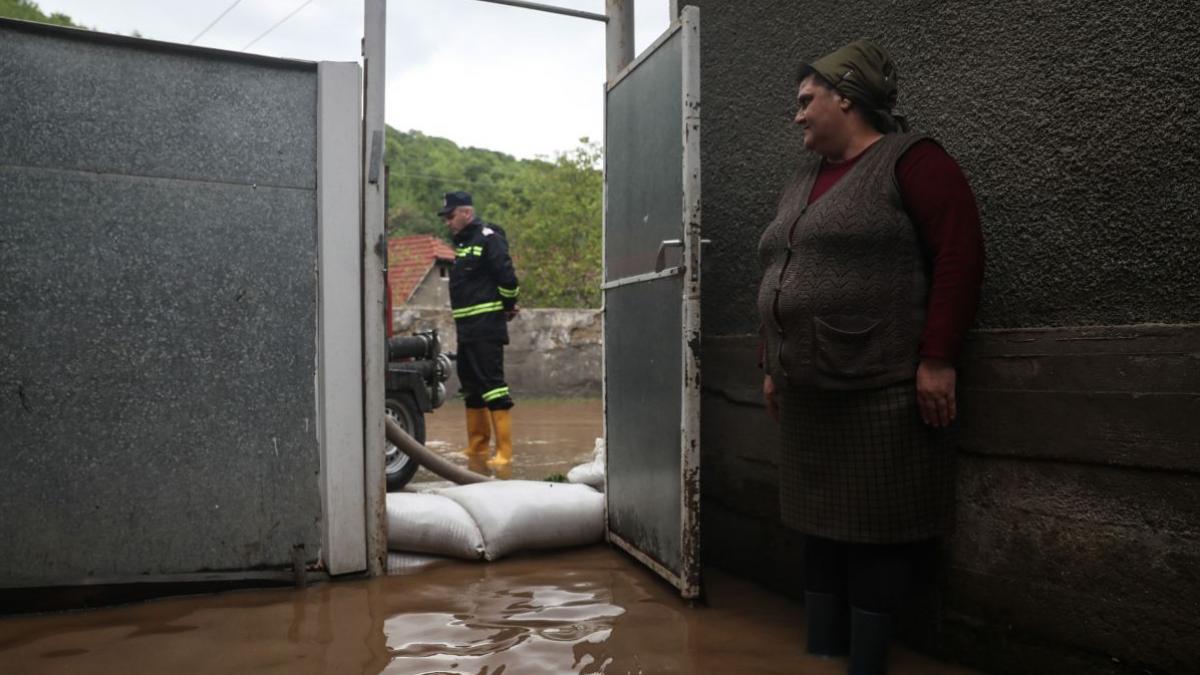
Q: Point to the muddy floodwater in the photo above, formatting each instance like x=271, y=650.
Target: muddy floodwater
x=587, y=610
x=549, y=437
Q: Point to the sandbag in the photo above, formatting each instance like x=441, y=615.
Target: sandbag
x=431, y=523
x=519, y=515
x=591, y=473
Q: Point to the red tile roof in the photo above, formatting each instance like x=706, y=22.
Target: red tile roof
x=409, y=260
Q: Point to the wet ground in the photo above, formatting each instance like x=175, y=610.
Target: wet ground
x=549, y=437
x=582, y=611
x=589, y=610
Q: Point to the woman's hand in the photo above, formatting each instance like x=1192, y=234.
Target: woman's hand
x=935, y=392
x=769, y=397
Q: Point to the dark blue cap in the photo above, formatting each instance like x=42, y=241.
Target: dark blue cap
x=453, y=200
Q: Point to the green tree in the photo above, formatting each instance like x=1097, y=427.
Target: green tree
x=422, y=168
x=551, y=210
x=556, y=237
x=28, y=10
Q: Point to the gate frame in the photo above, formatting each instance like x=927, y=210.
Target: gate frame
x=688, y=581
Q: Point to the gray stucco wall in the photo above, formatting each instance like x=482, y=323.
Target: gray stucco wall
x=1076, y=547
x=157, y=310
x=1072, y=120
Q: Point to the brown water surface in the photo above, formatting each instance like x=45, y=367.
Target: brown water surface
x=582, y=611
x=549, y=436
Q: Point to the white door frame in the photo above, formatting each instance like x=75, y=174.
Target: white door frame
x=339, y=321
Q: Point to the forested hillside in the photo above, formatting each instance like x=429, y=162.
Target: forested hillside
x=550, y=209
x=29, y=11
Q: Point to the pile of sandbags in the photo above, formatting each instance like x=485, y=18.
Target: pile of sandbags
x=491, y=520
x=591, y=473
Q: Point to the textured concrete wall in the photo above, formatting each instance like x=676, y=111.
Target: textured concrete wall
x=551, y=352
x=1072, y=120
x=1076, y=547
x=1078, y=501
x=157, y=310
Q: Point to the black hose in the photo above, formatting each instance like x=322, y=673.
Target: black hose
x=419, y=346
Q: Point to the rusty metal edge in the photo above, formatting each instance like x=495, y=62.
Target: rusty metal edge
x=690, y=349
x=657, y=567
x=374, y=261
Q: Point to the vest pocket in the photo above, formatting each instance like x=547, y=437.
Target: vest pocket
x=847, y=346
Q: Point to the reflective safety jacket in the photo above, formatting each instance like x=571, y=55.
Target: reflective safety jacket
x=483, y=283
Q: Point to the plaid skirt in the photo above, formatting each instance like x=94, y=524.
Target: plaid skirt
x=861, y=466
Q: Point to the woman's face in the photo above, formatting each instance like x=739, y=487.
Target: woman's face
x=821, y=113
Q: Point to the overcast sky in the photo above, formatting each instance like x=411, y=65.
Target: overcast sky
x=523, y=82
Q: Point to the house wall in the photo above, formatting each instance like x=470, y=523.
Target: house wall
x=1076, y=547
x=434, y=289
x=158, y=232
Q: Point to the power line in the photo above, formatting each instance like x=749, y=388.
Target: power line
x=281, y=21
x=214, y=22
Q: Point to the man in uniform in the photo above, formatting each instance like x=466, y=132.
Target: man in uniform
x=483, y=297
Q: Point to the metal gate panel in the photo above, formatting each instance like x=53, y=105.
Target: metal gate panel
x=158, y=311
x=651, y=305
x=643, y=158
x=643, y=407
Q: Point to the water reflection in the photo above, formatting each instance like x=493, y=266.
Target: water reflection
x=513, y=621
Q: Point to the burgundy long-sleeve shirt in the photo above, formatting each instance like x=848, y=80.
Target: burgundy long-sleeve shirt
x=940, y=203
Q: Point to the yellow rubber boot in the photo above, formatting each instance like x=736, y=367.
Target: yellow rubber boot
x=502, y=419
x=479, y=432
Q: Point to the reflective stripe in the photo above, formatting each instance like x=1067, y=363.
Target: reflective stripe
x=508, y=293
x=469, y=251
x=495, y=394
x=473, y=310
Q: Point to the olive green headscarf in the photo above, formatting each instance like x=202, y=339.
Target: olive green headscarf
x=864, y=73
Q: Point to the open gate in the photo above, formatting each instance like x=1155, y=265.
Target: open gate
x=652, y=305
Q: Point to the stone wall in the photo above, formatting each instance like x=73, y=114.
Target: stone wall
x=1076, y=549
x=551, y=352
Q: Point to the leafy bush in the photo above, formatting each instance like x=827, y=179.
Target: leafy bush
x=27, y=10
x=551, y=210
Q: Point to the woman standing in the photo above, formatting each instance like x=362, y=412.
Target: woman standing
x=871, y=276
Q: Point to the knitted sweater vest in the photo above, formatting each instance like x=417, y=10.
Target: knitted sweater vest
x=845, y=281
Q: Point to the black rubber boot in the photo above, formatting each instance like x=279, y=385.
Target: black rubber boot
x=869, y=636
x=828, y=624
